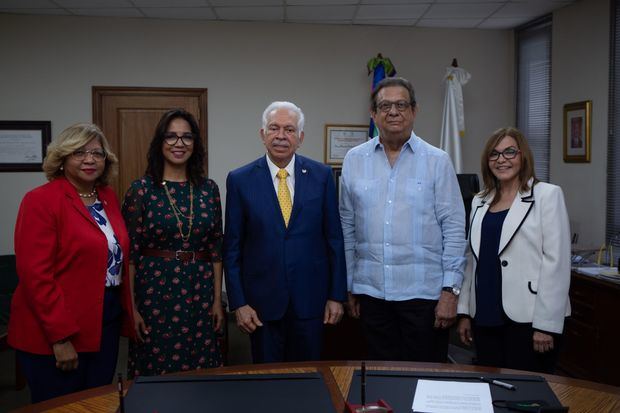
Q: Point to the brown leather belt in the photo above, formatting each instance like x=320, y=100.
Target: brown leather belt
x=179, y=255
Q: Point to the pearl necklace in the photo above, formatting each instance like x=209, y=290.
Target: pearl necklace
x=91, y=194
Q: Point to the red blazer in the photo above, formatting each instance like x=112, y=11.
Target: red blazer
x=61, y=256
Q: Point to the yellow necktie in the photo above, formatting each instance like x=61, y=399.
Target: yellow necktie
x=284, y=196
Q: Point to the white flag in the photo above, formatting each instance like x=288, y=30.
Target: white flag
x=453, y=123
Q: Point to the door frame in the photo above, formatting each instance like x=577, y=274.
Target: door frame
x=100, y=92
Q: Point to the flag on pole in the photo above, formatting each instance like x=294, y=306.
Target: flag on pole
x=380, y=67
x=453, y=122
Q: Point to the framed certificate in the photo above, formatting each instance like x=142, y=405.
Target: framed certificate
x=23, y=145
x=340, y=138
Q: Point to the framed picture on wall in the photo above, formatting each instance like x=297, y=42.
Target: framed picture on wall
x=23, y=145
x=337, y=172
x=340, y=138
x=577, y=131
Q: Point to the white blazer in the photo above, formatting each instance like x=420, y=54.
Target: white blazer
x=534, y=252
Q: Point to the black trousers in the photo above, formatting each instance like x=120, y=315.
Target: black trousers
x=95, y=369
x=511, y=346
x=402, y=330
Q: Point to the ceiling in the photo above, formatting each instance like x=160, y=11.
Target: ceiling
x=464, y=14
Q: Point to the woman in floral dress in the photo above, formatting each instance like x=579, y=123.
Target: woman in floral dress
x=174, y=218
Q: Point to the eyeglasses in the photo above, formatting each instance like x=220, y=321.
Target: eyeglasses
x=385, y=106
x=172, y=138
x=508, y=153
x=81, y=154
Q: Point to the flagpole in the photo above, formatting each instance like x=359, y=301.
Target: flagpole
x=380, y=67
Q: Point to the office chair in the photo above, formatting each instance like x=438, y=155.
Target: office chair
x=470, y=186
x=8, y=283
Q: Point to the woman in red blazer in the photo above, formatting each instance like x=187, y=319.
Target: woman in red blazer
x=72, y=300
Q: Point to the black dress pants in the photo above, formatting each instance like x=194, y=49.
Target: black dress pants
x=511, y=346
x=402, y=330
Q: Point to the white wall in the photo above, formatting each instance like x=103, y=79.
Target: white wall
x=49, y=64
x=580, y=71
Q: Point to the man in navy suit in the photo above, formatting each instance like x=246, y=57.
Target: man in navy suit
x=283, y=245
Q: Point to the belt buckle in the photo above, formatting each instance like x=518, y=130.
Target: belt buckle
x=178, y=253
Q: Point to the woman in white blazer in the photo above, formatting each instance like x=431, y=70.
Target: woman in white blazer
x=515, y=291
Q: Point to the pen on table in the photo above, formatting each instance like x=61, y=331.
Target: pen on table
x=120, y=393
x=498, y=383
x=363, y=380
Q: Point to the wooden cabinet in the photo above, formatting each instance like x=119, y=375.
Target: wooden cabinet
x=591, y=343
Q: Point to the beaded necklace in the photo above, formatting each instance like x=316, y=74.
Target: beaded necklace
x=177, y=212
x=91, y=194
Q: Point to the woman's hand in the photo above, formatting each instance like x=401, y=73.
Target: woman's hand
x=140, y=326
x=464, y=330
x=542, y=342
x=218, y=316
x=66, y=356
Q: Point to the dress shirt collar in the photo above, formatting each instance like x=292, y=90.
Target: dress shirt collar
x=411, y=143
x=273, y=168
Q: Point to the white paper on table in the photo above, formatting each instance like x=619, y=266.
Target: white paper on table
x=435, y=396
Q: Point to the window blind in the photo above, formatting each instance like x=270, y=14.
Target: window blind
x=534, y=90
x=612, y=230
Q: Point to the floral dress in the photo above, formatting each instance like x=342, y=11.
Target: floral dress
x=174, y=297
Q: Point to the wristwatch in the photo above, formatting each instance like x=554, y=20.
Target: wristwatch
x=454, y=290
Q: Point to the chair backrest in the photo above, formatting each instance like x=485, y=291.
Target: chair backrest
x=8, y=283
x=470, y=186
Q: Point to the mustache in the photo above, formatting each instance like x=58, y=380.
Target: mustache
x=280, y=142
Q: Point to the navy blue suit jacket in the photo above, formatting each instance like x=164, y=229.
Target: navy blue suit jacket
x=270, y=266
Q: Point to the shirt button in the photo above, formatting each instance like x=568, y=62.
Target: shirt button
x=504, y=263
x=387, y=222
x=389, y=201
x=387, y=243
x=387, y=266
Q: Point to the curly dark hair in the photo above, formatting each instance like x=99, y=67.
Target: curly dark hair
x=155, y=157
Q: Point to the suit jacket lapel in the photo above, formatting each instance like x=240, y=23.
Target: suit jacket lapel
x=475, y=229
x=76, y=202
x=520, y=208
x=264, y=186
x=301, y=180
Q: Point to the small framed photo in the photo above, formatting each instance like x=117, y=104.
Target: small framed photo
x=337, y=172
x=23, y=145
x=340, y=138
x=577, y=131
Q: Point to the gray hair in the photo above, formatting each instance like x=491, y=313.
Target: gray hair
x=285, y=105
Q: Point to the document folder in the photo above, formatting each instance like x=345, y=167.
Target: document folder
x=256, y=393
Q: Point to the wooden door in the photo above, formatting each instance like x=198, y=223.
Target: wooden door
x=128, y=117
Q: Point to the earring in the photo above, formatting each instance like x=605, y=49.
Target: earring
x=62, y=167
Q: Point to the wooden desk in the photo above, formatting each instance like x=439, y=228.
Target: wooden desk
x=581, y=396
x=589, y=347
